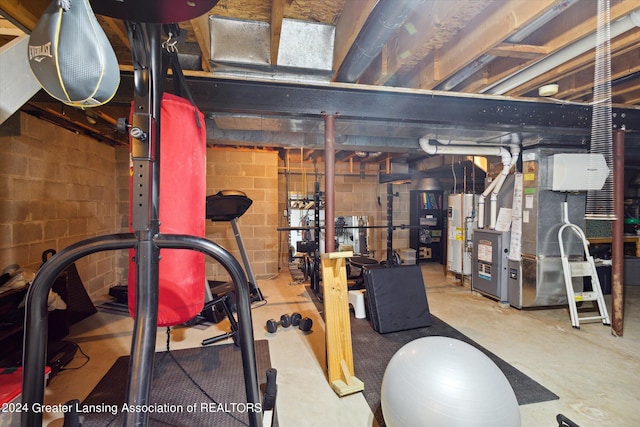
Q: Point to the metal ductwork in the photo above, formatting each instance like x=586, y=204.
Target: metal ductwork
x=385, y=20
x=18, y=82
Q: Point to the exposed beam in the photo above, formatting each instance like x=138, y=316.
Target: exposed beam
x=8, y=29
x=565, y=33
x=116, y=27
x=580, y=85
x=372, y=103
x=27, y=13
x=463, y=49
x=354, y=15
x=277, y=13
x=516, y=50
x=627, y=42
x=203, y=37
x=421, y=34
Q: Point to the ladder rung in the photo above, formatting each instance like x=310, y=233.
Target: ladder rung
x=592, y=318
x=580, y=269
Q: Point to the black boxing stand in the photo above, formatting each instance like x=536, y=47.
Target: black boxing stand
x=146, y=240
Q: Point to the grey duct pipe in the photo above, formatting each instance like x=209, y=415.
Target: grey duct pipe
x=382, y=24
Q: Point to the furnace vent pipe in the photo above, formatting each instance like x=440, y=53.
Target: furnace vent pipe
x=515, y=151
x=508, y=161
x=428, y=146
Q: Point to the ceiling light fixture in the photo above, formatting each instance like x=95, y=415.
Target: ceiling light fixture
x=548, y=90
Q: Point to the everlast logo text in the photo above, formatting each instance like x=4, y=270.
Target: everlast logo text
x=38, y=53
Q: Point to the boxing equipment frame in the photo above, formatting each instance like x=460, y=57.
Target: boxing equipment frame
x=146, y=240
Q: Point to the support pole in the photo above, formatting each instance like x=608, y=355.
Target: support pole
x=617, y=236
x=329, y=182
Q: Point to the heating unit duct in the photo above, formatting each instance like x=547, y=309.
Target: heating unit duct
x=241, y=47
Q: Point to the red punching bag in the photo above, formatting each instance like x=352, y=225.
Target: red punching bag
x=182, y=200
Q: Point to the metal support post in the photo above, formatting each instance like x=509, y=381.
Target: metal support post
x=617, y=232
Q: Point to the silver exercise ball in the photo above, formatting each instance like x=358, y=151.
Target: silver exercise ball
x=439, y=381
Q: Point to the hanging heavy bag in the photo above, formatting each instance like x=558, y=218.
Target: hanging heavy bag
x=71, y=57
x=182, y=200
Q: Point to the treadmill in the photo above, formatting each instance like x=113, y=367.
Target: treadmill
x=229, y=205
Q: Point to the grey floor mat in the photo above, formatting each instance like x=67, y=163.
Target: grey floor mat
x=372, y=352
x=211, y=378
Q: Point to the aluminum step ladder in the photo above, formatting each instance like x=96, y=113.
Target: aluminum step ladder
x=585, y=268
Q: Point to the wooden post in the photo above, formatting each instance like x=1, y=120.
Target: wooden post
x=337, y=325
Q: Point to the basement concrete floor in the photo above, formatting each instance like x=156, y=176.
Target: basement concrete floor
x=595, y=374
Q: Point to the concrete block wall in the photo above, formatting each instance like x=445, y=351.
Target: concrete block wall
x=255, y=173
x=56, y=188
x=357, y=196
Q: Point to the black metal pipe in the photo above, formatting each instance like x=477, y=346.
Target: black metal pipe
x=147, y=253
x=243, y=306
x=354, y=227
x=36, y=319
x=253, y=282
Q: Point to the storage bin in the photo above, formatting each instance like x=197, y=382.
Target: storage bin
x=632, y=270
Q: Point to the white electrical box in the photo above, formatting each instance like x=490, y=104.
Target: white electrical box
x=578, y=172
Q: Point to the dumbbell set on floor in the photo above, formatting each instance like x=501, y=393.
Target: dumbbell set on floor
x=296, y=319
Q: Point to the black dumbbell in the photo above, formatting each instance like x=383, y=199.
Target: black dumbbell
x=272, y=325
x=304, y=324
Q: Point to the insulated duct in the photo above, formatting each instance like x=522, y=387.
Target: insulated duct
x=385, y=20
x=509, y=158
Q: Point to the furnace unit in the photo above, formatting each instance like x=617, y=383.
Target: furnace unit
x=490, y=263
x=536, y=279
